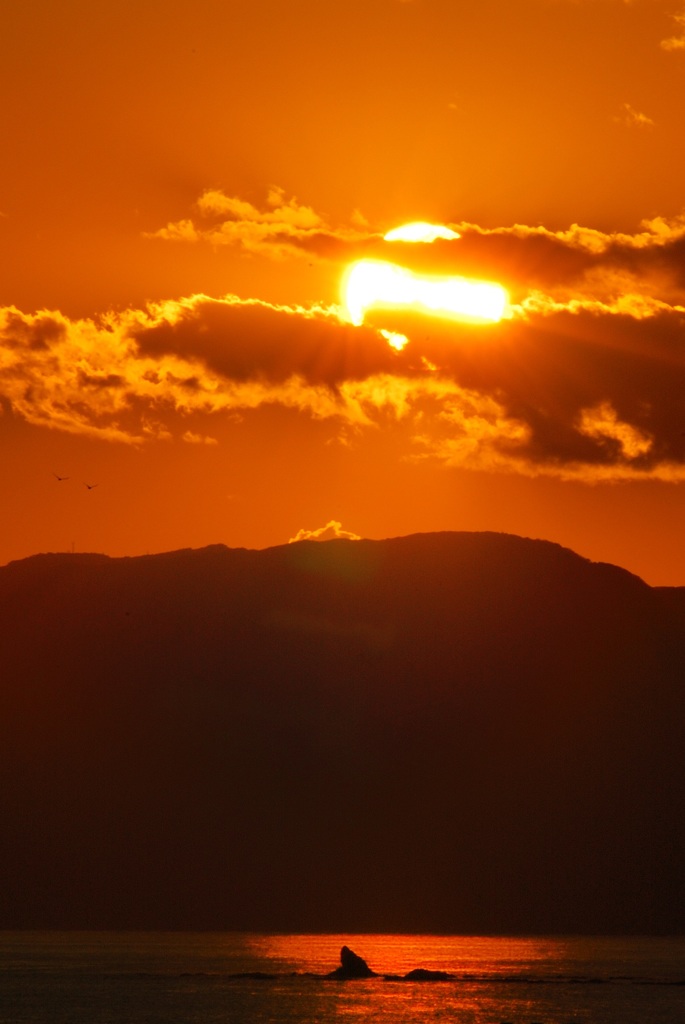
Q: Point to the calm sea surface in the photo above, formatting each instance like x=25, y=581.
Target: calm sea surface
x=184, y=978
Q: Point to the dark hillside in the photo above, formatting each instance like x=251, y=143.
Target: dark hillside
x=456, y=732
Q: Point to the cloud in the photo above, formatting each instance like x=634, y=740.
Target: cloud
x=676, y=42
x=520, y=256
x=633, y=118
x=135, y=375
x=283, y=227
x=576, y=263
x=583, y=380
x=331, y=531
x=572, y=263
x=581, y=393
x=603, y=423
x=190, y=437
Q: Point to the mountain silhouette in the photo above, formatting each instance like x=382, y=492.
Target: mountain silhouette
x=455, y=732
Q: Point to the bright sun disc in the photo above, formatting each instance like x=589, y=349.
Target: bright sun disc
x=420, y=231
x=376, y=283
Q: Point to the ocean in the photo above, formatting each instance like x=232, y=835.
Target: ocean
x=229, y=978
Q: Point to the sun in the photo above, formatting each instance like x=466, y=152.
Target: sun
x=375, y=283
x=420, y=231
x=378, y=283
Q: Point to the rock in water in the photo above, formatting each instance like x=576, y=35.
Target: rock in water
x=421, y=974
x=351, y=966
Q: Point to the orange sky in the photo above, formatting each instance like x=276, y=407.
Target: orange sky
x=183, y=186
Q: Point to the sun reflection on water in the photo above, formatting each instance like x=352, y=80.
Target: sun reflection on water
x=462, y=956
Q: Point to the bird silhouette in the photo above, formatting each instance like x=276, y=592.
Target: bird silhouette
x=89, y=486
x=60, y=478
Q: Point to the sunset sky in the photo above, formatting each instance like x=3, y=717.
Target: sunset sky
x=184, y=185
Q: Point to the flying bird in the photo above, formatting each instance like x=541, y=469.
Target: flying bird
x=58, y=477
x=89, y=486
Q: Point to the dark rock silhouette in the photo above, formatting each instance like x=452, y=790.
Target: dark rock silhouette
x=422, y=974
x=470, y=733
x=351, y=966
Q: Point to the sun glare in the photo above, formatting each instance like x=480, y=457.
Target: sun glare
x=370, y=283
x=420, y=231
x=395, y=340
